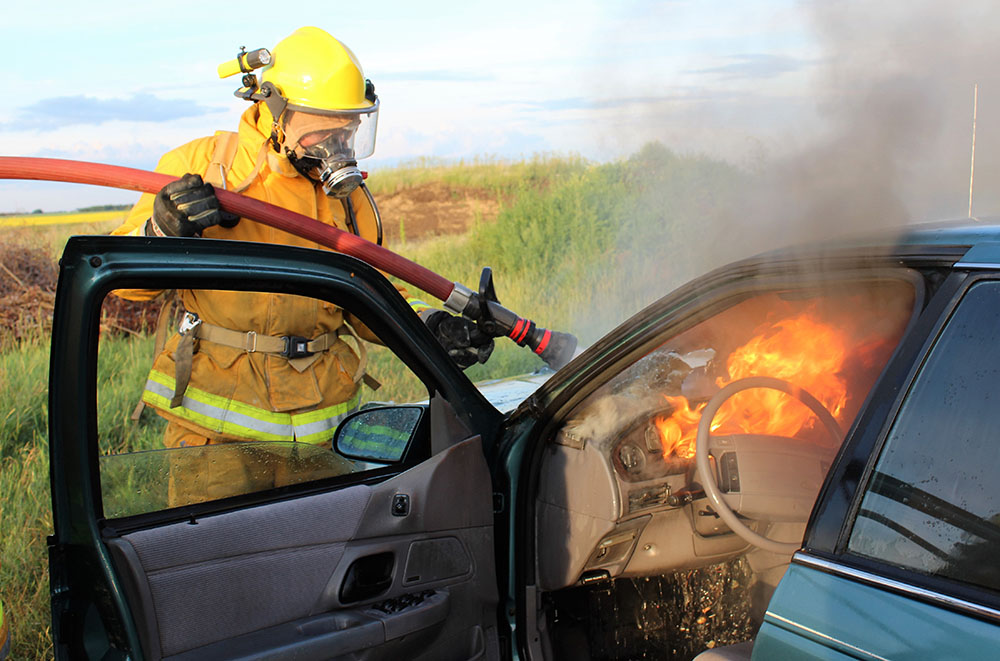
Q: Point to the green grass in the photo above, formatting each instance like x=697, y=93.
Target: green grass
x=51, y=238
x=501, y=176
x=577, y=247
x=24, y=403
x=25, y=509
x=25, y=514
x=122, y=365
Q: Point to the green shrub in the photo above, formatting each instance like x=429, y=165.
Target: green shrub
x=596, y=245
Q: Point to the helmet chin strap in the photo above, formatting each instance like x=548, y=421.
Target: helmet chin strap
x=304, y=165
x=276, y=138
x=276, y=104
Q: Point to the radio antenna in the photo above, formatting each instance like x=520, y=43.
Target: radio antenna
x=972, y=168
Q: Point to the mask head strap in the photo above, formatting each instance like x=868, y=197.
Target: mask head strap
x=276, y=103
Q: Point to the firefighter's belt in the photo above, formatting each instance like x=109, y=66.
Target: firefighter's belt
x=292, y=347
x=301, y=352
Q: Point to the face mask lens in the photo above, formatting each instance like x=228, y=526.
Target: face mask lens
x=327, y=148
x=334, y=144
x=338, y=171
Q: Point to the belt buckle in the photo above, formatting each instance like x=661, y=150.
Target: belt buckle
x=296, y=346
x=189, y=322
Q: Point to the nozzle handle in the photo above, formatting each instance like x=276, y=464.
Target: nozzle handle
x=554, y=347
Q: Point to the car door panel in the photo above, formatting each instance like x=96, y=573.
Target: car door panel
x=331, y=568
x=273, y=578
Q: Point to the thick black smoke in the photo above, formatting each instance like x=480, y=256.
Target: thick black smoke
x=894, y=93
x=881, y=140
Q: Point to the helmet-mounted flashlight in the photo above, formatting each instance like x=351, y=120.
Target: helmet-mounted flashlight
x=245, y=62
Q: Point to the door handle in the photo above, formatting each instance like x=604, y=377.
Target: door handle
x=367, y=577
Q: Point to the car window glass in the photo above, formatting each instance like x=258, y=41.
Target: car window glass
x=269, y=378
x=933, y=503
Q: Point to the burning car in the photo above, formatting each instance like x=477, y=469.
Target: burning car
x=790, y=457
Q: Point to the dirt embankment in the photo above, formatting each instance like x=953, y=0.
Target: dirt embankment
x=27, y=297
x=433, y=209
x=28, y=275
x=27, y=291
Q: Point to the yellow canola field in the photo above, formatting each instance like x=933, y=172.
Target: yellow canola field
x=37, y=219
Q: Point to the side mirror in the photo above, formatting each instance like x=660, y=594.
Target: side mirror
x=379, y=435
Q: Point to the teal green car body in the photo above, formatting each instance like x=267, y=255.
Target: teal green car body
x=819, y=615
x=831, y=604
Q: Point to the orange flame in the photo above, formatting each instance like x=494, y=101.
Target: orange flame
x=801, y=350
x=675, y=431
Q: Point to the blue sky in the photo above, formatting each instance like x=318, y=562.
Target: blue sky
x=122, y=82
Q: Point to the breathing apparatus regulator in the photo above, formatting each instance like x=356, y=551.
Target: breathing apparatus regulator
x=325, y=111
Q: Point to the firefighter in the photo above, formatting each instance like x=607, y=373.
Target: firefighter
x=273, y=367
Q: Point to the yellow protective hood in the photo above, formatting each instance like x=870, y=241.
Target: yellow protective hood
x=256, y=126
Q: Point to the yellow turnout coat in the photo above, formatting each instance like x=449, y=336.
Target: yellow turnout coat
x=235, y=394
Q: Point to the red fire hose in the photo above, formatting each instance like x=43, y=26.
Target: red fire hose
x=553, y=347
x=114, y=176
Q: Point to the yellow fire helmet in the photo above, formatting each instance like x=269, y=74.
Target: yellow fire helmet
x=312, y=73
x=317, y=73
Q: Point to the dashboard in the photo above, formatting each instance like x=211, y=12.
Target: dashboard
x=611, y=504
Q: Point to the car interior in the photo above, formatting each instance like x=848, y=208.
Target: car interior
x=671, y=499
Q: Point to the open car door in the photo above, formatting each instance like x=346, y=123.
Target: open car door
x=380, y=547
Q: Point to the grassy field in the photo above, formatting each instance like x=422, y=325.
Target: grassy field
x=599, y=243
x=71, y=218
x=576, y=247
x=51, y=237
x=502, y=177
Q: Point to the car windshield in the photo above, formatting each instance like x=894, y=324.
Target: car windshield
x=831, y=342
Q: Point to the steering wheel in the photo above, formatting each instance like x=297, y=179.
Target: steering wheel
x=707, y=476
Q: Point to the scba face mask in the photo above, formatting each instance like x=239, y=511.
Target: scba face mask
x=326, y=148
x=331, y=161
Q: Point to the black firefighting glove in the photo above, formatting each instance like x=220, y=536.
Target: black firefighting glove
x=460, y=337
x=187, y=207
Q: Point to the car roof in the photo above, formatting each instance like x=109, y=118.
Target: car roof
x=943, y=238
x=964, y=231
